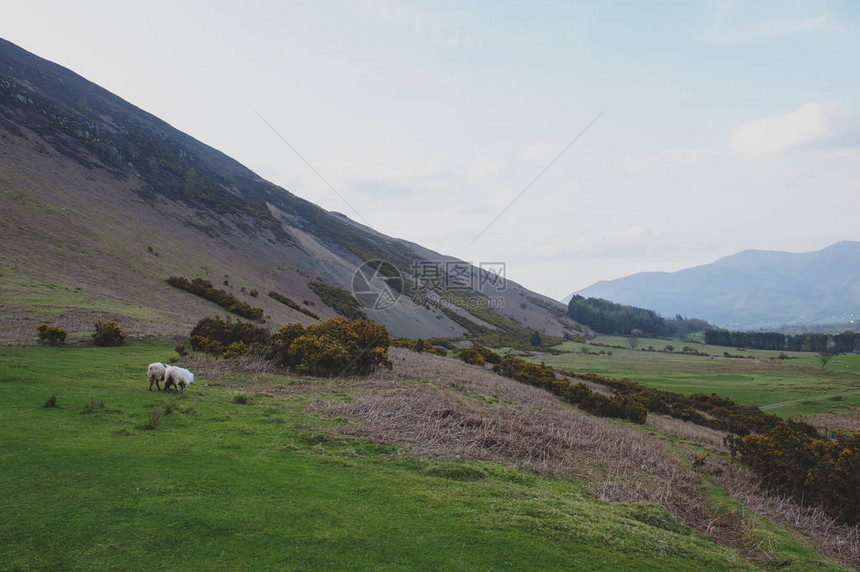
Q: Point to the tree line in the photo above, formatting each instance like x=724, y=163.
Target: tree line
x=607, y=317
x=846, y=342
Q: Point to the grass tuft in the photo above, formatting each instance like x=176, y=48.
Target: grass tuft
x=159, y=411
x=94, y=406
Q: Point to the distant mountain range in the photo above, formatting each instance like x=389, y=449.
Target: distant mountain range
x=101, y=202
x=751, y=289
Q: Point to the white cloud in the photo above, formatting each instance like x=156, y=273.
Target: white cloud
x=762, y=140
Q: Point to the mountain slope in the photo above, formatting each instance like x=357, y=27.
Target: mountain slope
x=751, y=289
x=100, y=202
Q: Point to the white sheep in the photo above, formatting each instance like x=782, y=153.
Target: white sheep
x=179, y=377
x=156, y=374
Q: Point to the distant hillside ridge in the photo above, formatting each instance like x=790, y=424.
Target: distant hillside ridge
x=752, y=289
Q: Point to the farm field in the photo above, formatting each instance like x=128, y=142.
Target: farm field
x=238, y=474
x=797, y=386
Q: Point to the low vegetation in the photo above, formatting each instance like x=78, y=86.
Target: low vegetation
x=815, y=470
x=108, y=334
x=51, y=335
x=421, y=345
x=205, y=289
x=338, y=300
x=708, y=410
x=787, y=387
x=225, y=338
x=618, y=406
x=476, y=354
x=790, y=457
x=292, y=304
x=336, y=347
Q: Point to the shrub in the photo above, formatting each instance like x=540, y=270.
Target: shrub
x=217, y=336
x=229, y=302
x=471, y=356
x=793, y=460
x=419, y=345
x=236, y=349
x=51, y=335
x=619, y=406
x=108, y=334
x=333, y=348
x=477, y=354
x=702, y=409
x=292, y=304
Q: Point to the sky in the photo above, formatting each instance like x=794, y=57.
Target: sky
x=572, y=141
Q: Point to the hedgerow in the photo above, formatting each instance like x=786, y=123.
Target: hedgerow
x=476, y=354
x=711, y=410
x=292, y=304
x=229, y=302
x=618, y=406
x=419, y=345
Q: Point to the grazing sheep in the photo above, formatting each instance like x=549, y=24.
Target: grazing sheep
x=178, y=377
x=156, y=374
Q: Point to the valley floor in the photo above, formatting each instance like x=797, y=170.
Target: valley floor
x=434, y=465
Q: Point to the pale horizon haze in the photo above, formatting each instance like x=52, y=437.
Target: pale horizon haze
x=720, y=126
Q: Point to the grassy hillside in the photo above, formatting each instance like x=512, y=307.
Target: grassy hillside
x=100, y=202
x=253, y=471
x=784, y=387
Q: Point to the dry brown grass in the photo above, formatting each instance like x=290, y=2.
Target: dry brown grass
x=711, y=438
x=442, y=407
x=838, y=541
x=255, y=369
x=846, y=421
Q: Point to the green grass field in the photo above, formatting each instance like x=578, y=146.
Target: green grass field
x=219, y=484
x=790, y=387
